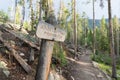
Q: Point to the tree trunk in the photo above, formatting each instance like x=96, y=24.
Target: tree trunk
x=118, y=43
x=15, y=10
x=40, y=10
x=111, y=36
x=60, y=13
x=94, y=39
x=75, y=29
x=23, y=14
x=85, y=31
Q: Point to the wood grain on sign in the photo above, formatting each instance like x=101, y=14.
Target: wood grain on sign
x=48, y=31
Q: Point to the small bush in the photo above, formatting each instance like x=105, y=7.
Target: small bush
x=102, y=58
x=59, y=54
x=104, y=63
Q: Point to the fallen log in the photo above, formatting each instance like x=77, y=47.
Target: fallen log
x=30, y=43
x=25, y=66
x=20, y=60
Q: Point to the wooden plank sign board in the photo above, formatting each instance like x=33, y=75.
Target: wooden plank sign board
x=48, y=31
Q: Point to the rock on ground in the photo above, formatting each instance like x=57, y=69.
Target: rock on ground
x=55, y=76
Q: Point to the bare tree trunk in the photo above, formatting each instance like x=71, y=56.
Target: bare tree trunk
x=118, y=43
x=15, y=10
x=112, y=51
x=85, y=35
x=47, y=10
x=23, y=14
x=40, y=18
x=75, y=29
x=40, y=10
x=60, y=13
x=94, y=39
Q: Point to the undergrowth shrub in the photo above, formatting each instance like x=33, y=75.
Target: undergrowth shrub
x=59, y=54
x=104, y=63
x=102, y=58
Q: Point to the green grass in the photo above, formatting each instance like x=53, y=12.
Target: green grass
x=102, y=58
x=107, y=69
x=104, y=63
x=118, y=74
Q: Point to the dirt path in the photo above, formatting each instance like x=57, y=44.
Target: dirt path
x=82, y=69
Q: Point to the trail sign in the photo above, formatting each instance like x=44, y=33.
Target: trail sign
x=49, y=32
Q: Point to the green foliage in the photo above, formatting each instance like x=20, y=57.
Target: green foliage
x=104, y=63
x=69, y=30
x=105, y=68
x=108, y=69
x=3, y=16
x=33, y=16
x=118, y=74
x=102, y=58
x=80, y=31
x=115, y=23
x=21, y=2
x=89, y=38
x=59, y=54
x=102, y=39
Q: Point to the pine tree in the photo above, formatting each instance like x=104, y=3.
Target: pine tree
x=111, y=36
x=103, y=36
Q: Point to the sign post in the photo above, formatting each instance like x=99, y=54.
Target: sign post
x=48, y=33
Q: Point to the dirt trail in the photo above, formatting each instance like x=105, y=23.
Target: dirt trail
x=82, y=69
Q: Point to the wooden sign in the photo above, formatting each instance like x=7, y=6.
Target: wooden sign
x=48, y=31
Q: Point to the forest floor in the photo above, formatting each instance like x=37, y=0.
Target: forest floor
x=83, y=69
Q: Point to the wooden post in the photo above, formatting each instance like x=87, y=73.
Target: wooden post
x=48, y=33
x=44, y=60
